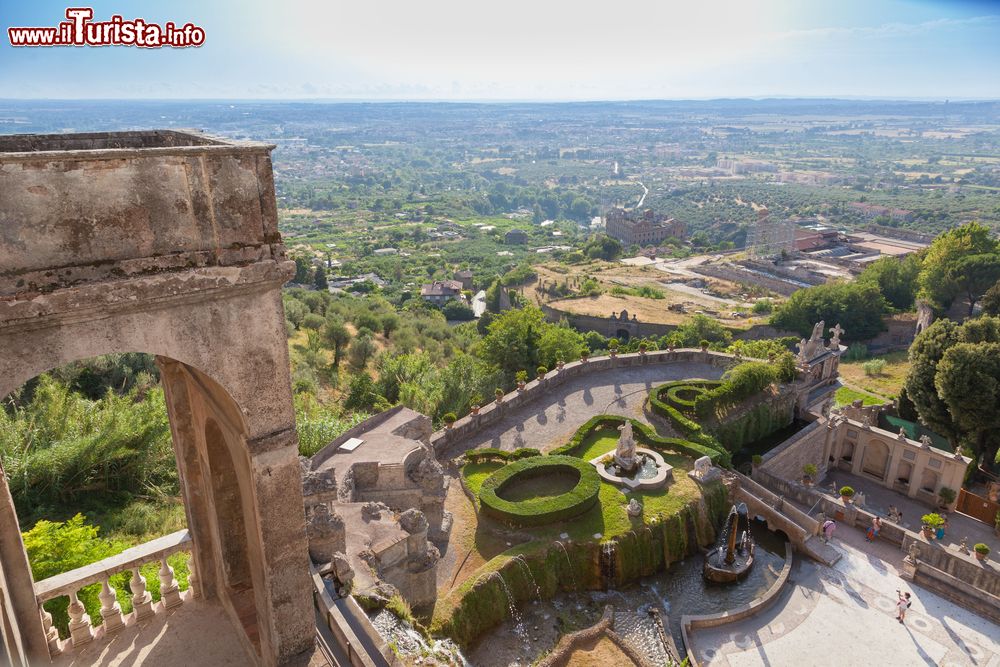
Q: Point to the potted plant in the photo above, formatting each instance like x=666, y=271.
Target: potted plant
x=522, y=378
x=559, y=364
x=475, y=402
x=930, y=523
x=756, y=460
x=982, y=551
x=541, y=370
x=499, y=394
x=643, y=346
x=671, y=346
x=704, y=345
x=946, y=497
x=449, y=419
x=808, y=474
x=584, y=354
x=613, y=347
x=846, y=493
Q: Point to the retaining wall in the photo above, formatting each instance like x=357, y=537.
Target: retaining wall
x=492, y=413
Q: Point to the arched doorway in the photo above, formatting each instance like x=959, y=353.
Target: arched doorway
x=876, y=459
x=623, y=335
x=205, y=447
x=166, y=243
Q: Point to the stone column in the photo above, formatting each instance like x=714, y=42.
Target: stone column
x=18, y=594
x=287, y=585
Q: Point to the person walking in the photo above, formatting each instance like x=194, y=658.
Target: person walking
x=828, y=527
x=902, y=604
x=874, y=529
x=939, y=533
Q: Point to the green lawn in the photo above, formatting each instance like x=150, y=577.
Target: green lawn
x=608, y=517
x=846, y=396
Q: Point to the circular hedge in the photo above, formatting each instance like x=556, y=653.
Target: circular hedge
x=543, y=510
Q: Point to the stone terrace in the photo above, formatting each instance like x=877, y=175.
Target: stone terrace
x=550, y=420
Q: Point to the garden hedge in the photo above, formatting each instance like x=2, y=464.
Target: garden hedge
x=492, y=454
x=647, y=437
x=548, y=509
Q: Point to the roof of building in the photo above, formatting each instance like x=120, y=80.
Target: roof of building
x=441, y=288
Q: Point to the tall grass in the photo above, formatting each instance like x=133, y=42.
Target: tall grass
x=65, y=453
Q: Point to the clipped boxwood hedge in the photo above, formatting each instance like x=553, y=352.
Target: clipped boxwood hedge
x=671, y=392
x=548, y=509
x=492, y=454
x=647, y=437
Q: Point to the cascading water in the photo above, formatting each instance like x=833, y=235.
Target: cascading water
x=608, y=562
x=524, y=566
x=569, y=564
x=515, y=616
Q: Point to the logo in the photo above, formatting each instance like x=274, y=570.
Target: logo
x=81, y=30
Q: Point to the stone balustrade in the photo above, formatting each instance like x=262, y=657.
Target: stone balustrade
x=70, y=583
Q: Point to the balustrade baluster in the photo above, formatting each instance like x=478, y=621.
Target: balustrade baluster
x=170, y=594
x=51, y=634
x=142, y=601
x=111, y=611
x=80, y=630
x=193, y=582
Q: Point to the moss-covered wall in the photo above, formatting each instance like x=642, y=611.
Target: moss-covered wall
x=754, y=423
x=482, y=602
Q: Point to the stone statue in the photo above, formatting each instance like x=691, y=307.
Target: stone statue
x=634, y=507
x=702, y=466
x=902, y=433
x=802, y=351
x=835, y=341
x=925, y=441
x=914, y=552
x=625, y=451
x=964, y=546
x=817, y=334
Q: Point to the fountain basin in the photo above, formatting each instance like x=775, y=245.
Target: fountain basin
x=664, y=472
x=717, y=570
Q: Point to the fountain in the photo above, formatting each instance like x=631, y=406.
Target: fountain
x=731, y=560
x=631, y=466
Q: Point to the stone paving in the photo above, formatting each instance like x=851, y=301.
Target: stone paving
x=845, y=615
x=878, y=498
x=552, y=420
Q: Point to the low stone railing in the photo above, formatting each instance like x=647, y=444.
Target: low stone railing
x=69, y=584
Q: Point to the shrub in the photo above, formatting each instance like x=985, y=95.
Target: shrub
x=763, y=307
x=541, y=370
x=739, y=383
x=492, y=454
x=847, y=492
x=856, y=352
x=947, y=495
x=756, y=459
x=449, y=418
x=874, y=367
x=704, y=343
x=546, y=509
x=809, y=470
x=613, y=344
x=982, y=549
x=521, y=376
x=932, y=520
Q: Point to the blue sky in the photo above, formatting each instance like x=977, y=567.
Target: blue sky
x=525, y=49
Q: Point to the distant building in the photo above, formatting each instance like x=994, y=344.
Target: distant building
x=464, y=277
x=516, y=237
x=440, y=291
x=815, y=239
x=386, y=251
x=873, y=211
x=647, y=228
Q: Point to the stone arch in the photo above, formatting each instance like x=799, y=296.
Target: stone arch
x=929, y=480
x=166, y=243
x=876, y=459
x=623, y=335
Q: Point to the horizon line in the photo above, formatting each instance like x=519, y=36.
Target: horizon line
x=514, y=100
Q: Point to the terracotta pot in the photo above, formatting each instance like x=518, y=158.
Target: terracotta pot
x=475, y=409
x=520, y=386
x=846, y=499
x=980, y=556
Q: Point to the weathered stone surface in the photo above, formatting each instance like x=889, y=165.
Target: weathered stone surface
x=167, y=243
